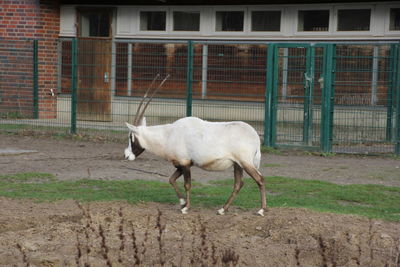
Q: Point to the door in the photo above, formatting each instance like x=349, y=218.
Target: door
x=94, y=65
x=297, y=95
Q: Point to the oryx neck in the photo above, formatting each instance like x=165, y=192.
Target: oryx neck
x=153, y=138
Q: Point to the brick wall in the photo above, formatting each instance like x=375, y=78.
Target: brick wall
x=21, y=22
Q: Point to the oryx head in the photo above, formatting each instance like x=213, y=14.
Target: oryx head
x=134, y=148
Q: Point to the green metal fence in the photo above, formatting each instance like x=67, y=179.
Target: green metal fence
x=341, y=97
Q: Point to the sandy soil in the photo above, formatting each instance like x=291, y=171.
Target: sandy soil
x=119, y=234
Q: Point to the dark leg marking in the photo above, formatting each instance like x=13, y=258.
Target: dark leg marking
x=172, y=180
x=259, y=179
x=187, y=184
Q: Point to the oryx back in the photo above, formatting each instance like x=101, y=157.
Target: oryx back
x=214, y=145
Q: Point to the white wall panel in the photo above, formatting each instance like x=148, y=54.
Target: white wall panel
x=67, y=21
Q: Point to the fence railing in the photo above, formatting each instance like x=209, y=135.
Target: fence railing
x=342, y=97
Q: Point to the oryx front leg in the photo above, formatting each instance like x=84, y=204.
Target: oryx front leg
x=259, y=179
x=238, y=173
x=187, y=185
x=172, y=181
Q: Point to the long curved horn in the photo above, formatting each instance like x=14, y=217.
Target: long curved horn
x=151, y=98
x=136, y=121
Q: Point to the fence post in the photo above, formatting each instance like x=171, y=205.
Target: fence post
x=74, y=85
x=328, y=98
x=269, y=75
x=397, y=93
x=308, y=95
x=35, y=79
x=189, y=79
x=391, y=93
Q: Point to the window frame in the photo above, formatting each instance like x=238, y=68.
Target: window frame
x=297, y=9
x=127, y=26
x=387, y=20
x=152, y=9
x=265, y=33
x=81, y=10
x=229, y=9
x=350, y=7
x=187, y=9
x=303, y=21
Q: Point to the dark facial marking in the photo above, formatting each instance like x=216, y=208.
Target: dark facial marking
x=137, y=149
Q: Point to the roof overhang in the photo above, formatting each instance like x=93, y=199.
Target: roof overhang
x=208, y=2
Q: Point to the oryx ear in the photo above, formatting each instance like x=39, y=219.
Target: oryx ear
x=131, y=127
x=142, y=122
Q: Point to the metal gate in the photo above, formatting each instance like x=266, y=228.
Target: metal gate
x=334, y=97
x=297, y=95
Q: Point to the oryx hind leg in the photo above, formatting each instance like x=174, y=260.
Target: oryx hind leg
x=259, y=179
x=172, y=181
x=187, y=185
x=238, y=184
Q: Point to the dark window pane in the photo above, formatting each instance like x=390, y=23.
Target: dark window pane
x=266, y=21
x=152, y=20
x=229, y=21
x=394, y=19
x=186, y=21
x=313, y=20
x=354, y=19
x=95, y=24
x=104, y=25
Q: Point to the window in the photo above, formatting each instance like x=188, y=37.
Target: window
x=231, y=21
x=94, y=23
x=186, y=21
x=394, y=24
x=354, y=19
x=268, y=21
x=313, y=20
x=152, y=20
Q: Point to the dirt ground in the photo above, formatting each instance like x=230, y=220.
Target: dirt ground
x=68, y=233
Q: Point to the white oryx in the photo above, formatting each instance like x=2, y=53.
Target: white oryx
x=212, y=146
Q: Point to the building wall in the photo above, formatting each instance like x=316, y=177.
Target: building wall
x=21, y=22
x=127, y=23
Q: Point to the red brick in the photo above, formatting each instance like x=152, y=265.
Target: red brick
x=26, y=19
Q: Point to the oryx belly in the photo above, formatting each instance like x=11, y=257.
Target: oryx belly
x=216, y=165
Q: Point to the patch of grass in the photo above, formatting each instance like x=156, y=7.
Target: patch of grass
x=373, y=201
x=272, y=165
x=271, y=150
x=320, y=154
x=27, y=177
x=13, y=127
x=327, y=154
x=62, y=133
x=394, y=156
x=12, y=115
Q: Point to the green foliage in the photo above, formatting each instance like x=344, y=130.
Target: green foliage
x=373, y=201
x=271, y=150
x=62, y=133
x=272, y=165
x=12, y=127
x=394, y=156
x=27, y=177
x=327, y=154
x=11, y=115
